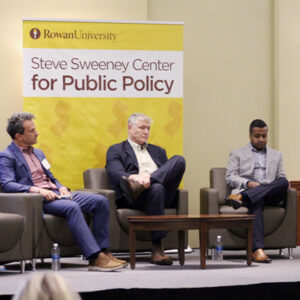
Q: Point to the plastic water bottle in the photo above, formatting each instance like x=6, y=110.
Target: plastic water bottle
x=218, y=251
x=55, y=266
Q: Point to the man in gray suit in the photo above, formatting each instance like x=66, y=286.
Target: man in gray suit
x=256, y=175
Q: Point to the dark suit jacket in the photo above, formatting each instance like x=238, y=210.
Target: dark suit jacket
x=121, y=161
x=15, y=175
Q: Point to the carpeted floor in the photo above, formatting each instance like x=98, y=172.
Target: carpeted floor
x=232, y=271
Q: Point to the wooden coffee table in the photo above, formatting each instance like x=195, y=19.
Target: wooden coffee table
x=186, y=222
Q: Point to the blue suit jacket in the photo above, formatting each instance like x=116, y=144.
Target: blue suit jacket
x=121, y=161
x=15, y=175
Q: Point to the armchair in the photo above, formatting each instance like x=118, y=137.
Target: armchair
x=97, y=180
x=16, y=228
x=280, y=223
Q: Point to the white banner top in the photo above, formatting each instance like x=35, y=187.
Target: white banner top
x=102, y=73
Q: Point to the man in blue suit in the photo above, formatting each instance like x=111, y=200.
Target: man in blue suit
x=24, y=169
x=143, y=177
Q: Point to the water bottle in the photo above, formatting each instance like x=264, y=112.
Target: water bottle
x=55, y=266
x=218, y=251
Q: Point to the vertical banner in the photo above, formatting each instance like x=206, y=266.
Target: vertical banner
x=82, y=80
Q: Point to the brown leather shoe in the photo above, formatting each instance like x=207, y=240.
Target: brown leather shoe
x=235, y=200
x=131, y=188
x=260, y=256
x=124, y=263
x=103, y=264
x=158, y=257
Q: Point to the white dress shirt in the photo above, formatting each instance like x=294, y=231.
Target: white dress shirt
x=145, y=161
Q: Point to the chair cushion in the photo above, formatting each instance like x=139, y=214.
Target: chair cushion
x=123, y=213
x=273, y=217
x=228, y=210
x=59, y=231
x=11, y=229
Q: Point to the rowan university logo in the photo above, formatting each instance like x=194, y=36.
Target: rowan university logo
x=35, y=33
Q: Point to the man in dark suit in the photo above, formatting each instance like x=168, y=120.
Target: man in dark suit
x=143, y=177
x=24, y=169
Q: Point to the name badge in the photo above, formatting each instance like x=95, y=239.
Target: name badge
x=46, y=164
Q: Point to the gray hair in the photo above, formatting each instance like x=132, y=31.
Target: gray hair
x=15, y=123
x=132, y=120
x=45, y=286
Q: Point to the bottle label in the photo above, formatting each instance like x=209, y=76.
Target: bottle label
x=55, y=256
x=219, y=248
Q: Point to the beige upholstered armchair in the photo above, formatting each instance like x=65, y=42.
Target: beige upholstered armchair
x=27, y=233
x=16, y=228
x=97, y=180
x=280, y=223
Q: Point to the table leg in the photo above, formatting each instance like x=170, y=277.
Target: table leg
x=132, y=247
x=181, y=237
x=203, y=239
x=249, y=243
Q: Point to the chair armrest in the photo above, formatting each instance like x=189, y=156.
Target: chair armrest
x=183, y=202
x=19, y=203
x=110, y=195
x=286, y=233
x=291, y=210
x=105, y=192
x=95, y=179
x=114, y=226
x=30, y=207
x=291, y=199
x=209, y=203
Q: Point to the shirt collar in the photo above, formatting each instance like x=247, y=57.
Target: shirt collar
x=137, y=146
x=22, y=149
x=257, y=151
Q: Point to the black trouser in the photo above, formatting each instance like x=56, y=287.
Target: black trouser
x=256, y=199
x=162, y=191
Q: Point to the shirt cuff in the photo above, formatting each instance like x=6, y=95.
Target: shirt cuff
x=34, y=189
x=244, y=185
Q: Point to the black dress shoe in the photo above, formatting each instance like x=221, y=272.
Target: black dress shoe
x=235, y=201
x=131, y=188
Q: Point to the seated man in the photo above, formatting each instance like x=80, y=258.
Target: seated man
x=143, y=177
x=24, y=169
x=256, y=175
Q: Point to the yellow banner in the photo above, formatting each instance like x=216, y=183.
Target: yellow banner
x=82, y=111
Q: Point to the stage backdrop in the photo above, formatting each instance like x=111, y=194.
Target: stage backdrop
x=83, y=79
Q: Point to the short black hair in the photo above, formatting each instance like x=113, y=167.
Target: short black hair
x=15, y=123
x=257, y=123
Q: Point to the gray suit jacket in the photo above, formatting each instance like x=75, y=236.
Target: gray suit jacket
x=240, y=167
